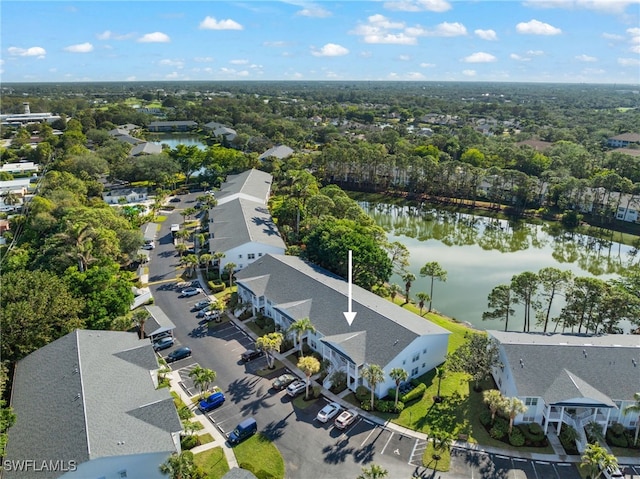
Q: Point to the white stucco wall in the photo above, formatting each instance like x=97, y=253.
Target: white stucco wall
x=240, y=254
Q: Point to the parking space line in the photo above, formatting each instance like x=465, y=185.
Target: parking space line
x=519, y=459
x=533, y=466
x=543, y=462
x=370, y=433
x=387, y=443
x=413, y=451
x=502, y=457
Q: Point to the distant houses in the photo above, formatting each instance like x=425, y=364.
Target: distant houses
x=88, y=405
x=280, y=152
x=172, y=126
x=624, y=140
x=125, y=195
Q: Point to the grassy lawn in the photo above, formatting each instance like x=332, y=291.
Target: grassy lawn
x=160, y=219
x=438, y=460
x=259, y=454
x=266, y=371
x=300, y=403
x=213, y=462
x=205, y=438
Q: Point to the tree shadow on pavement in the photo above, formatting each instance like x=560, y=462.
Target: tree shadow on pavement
x=242, y=389
x=275, y=430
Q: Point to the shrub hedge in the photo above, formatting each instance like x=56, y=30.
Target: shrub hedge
x=415, y=393
x=362, y=393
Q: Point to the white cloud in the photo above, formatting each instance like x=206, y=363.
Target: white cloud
x=131, y=78
x=106, y=35
x=586, y=58
x=155, y=37
x=366, y=54
x=80, y=48
x=635, y=49
x=27, y=52
x=535, y=27
x=381, y=21
x=239, y=62
x=519, y=58
x=330, y=50
x=427, y=65
x=629, y=62
x=480, y=57
x=391, y=39
x=604, y=6
x=171, y=63
x=447, y=29
x=535, y=53
x=418, y=5
x=469, y=73
x=404, y=58
x=486, y=34
x=203, y=59
x=612, y=36
x=314, y=11
x=415, y=76
x=210, y=23
x=278, y=44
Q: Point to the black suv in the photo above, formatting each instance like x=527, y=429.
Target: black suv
x=251, y=354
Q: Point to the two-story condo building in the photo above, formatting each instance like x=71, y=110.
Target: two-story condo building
x=287, y=288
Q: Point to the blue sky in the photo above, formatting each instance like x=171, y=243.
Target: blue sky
x=591, y=41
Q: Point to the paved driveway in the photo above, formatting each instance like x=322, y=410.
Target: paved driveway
x=310, y=449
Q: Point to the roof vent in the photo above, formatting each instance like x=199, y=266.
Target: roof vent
x=521, y=363
x=635, y=363
x=78, y=396
x=584, y=351
x=396, y=342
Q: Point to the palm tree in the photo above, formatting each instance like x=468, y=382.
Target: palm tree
x=80, y=237
x=191, y=261
x=634, y=408
x=181, y=466
x=229, y=268
x=595, y=458
x=199, y=240
x=300, y=327
x=398, y=375
x=394, y=289
x=309, y=366
x=181, y=248
x=422, y=297
x=440, y=374
x=512, y=407
x=373, y=472
x=434, y=270
x=140, y=317
x=374, y=375
x=493, y=399
x=217, y=256
x=202, y=378
x=408, y=279
x=270, y=343
x=205, y=259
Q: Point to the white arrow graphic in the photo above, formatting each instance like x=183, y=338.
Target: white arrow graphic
x=350, y=315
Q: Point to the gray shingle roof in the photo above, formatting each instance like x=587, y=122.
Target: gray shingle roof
x=281, y=152
x=389, y=328
x=559, y=367
x=158, y=322
x=251, y=184
x=241, y=221
x=146, y=148
x=89, y=395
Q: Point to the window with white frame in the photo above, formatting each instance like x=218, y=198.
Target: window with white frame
x=251, y=256
x=415, y=358
x=531, y=401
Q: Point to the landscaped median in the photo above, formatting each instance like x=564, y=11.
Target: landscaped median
x=258, y=455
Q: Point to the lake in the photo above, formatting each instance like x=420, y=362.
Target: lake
x=175, y=139
x=480, y=253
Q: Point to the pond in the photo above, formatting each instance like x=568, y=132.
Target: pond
x=175, y=139
x=480, y=253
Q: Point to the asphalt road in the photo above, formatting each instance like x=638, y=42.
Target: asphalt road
x=310, y=449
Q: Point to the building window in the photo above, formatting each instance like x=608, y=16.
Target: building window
x=415, y=358
x=531, y=401
x=424, y=365
x=414, y=371
x=528, y=418
x=424, y=351
x=251, y=256
x=404, y=361
x=239, y=256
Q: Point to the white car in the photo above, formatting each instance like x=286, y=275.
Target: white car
x=186, y=293
x=611, y=472
x=346, y=418
x=328, y=412
x=148, y=246
x=296, y=388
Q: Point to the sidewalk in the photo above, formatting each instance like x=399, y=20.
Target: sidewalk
x=208, y=427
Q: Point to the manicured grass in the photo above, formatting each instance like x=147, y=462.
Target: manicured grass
x=213, y=462
x=259, y=454
x=205, y=438
x=266, y=371
x=159, y=219
x=442, y=460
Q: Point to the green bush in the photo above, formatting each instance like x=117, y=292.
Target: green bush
x=485, y=417
x=262, y=474
x=391, y=393
x=616, y=429
x=362, y=393
x=216, y=287
x=399, y=407
x=384, y=406
x=618, y=440
x=287, y=344
x=317, y=391
x=269, y=325
x=260, y=321
x=497, y=431
x=365, y=405
x=533, y=432
x=415, y=393
x=516, y=438
x=188, y=442
x=245, y=315
x=338, y=382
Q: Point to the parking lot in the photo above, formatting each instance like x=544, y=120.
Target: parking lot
x=630, y=472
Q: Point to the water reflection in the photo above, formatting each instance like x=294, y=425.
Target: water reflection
x=480, y=253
